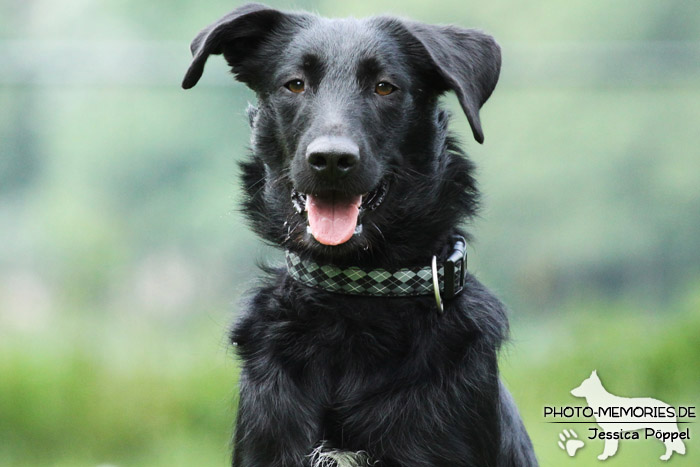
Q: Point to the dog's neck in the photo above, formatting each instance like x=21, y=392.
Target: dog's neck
x=443, y=279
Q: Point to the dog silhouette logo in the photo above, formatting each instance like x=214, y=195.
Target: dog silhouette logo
x=622, y=418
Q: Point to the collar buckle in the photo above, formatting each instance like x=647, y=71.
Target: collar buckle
x=455, y=267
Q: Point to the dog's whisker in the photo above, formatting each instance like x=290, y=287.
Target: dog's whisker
x=376, y=227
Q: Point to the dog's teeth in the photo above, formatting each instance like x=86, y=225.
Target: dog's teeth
x=358, y=229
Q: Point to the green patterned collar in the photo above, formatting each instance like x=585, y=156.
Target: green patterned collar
x=445, y=280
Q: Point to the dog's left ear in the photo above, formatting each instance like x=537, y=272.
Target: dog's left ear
x=469, y=62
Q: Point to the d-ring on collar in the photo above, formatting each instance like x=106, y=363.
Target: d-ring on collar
x=455, y=267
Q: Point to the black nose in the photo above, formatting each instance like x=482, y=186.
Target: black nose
x=332, y=157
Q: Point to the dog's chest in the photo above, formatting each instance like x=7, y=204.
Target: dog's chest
x=335, y=346
x=337, y=355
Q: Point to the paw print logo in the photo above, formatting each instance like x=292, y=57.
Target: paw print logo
x=569, y=442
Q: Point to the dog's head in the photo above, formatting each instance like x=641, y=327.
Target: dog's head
x=350, y=149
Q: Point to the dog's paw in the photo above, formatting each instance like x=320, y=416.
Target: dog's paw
x=324, y=457
x=569, y=442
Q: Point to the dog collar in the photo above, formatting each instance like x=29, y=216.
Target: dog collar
x=445, y=280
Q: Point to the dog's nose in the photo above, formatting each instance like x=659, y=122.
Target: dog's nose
x=332, y=157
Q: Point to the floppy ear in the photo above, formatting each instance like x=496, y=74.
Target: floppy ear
x=237, y=35
x=469, y=62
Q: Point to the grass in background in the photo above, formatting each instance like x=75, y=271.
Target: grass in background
x=117, y=394
x=130, y=392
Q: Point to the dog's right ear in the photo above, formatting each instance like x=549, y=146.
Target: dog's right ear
x=238, y=36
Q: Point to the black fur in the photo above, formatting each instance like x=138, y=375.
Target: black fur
x=388, y=376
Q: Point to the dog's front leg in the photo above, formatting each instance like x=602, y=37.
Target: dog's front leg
x=447, y=417
x=275, y=425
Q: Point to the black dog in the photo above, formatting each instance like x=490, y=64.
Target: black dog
x=348, y=355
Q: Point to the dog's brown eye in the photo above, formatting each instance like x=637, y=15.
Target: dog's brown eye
x=384, y=89
x=295, y=85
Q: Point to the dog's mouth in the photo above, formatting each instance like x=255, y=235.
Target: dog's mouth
x=334, y=217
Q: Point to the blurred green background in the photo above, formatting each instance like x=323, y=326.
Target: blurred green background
x=123, y=256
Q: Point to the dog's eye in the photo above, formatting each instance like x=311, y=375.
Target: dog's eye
x=384, y=89
x=295, y=85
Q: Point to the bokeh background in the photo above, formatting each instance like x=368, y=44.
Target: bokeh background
x=123, y=255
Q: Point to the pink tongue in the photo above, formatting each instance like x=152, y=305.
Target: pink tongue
x=333, y=219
